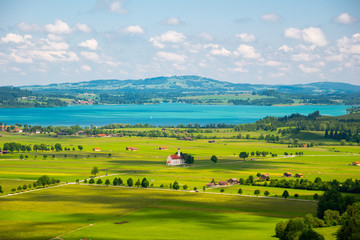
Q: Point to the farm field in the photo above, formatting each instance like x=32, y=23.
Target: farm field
x=77, y=211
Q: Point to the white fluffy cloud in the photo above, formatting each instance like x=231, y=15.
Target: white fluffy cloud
x=349, y=45
x=304, y=57
x=168, y=37
x=49, y=45
x=169, y=56
x=272, y=63
x=345, y=18
x=134, y=29
x=86, y=68
x=92, y=44
x=25, y=27
x=308, y=69
x=59, y=27
x=285, y=48
x=27, y=56
x=83, y=28
x=15, y=38
x=172, y=21
x=247, y=51
x=270, y=17
x=117, y=7
x=90, y=56
x=310, y=35
x=246, y=37
x=217, y=50
x=206, y=36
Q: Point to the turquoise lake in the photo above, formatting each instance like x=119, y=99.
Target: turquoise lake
x=161, y=114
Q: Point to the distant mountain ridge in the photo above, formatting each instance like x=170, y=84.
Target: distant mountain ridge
x=188, y=84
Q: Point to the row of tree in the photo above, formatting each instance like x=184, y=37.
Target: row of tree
x=13, y=146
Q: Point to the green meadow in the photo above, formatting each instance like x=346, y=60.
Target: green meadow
x=81, y=211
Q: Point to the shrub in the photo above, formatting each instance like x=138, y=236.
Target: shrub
x=280, y=229
x=331, y=217
x=294, y=228
x=310, y=234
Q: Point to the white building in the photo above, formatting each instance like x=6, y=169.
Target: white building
x=176, y=159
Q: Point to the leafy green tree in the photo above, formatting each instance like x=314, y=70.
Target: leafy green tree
x=331, y=217
x=294, y=228
x=92, y=181
x=80, y=147
x=107, y=182
x=1, y=191
x=85, y=181
x=296, y=195
x=280, y=229
x=120, y=181
x=24, y=187
x=243, y=155
x=310, y=234
x=214, y=159
x=222, y=190
x=138, y=183
x=144, y=183
x=58, y=147
x=19, y=188
x=21, y=156
x=95, y=171
x=13, y=190
x=333, y=200
x=195, y=189
x=240, y=191
x=115, y=182
x=77, y=181
x=257, y=192
x=258, y=174
x=266, y=193
x=316, y=196
x=285, y=194
x=99, y=181
x=350, y=223
x=185, y=187
x=204, y=188
x=176, y=185
x=130, y=182
x=44, y=180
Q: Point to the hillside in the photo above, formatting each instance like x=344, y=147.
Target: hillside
x=188, y=84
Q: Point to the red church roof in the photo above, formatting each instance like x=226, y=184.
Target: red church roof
x=176, y=157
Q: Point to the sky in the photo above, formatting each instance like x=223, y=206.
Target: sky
x=253, y=41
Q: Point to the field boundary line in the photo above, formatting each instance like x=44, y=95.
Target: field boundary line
x=106, y=220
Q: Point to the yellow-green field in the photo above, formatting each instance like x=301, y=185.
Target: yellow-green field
x=69, y=210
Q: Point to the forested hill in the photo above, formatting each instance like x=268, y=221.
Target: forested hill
x=188, y=84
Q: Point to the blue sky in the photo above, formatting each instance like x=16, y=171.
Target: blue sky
x=270, y=42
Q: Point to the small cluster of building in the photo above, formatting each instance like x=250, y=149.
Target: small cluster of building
x=289, y=174
x=231, y=181
x=356, y=164
x=131, y=149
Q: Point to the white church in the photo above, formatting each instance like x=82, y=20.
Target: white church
x=175, y=159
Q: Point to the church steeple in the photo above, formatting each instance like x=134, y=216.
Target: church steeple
x=179, y=152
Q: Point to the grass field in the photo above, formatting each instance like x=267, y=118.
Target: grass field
x=133, y=213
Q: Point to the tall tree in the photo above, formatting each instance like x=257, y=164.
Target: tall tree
x=214, y=159
x=243, y=155
x=44, y=180
x=95, y=171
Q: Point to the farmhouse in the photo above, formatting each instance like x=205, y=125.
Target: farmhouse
x=211, y=141
x=233, y=181
x=223, y=183
x=163, y=148
x=356, y=163
x=265, y=176
x=18, y=130
x=288, y=174
x=96, y=149
x=175, y=159
x=101, y=135
x=210, y=184
x=299, y=175
x=37, y=131
x=131, y=149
